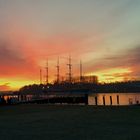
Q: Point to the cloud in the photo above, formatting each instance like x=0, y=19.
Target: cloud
x=22, y=54
x=9, y=56
x=14, y=62
x=5, y=87
x=128, y=58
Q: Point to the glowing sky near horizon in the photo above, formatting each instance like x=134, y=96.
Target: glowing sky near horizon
x=104, y=34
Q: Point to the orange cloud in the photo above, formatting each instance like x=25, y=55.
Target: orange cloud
x=22, y=53
x=5, y=87
x=112, y=75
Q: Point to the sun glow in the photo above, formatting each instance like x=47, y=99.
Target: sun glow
x=11, y=84
x=113, y=75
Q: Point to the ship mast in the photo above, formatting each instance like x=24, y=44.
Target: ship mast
x=70, y=69
x=81, y=71
x=40, y=76
x=58, y=71
x=47, y=73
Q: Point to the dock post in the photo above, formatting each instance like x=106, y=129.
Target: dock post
x=110, y=100
x=96, y=100
x=118, y=102
x=103, y=100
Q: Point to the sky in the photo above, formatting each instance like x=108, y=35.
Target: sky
x=103, y=34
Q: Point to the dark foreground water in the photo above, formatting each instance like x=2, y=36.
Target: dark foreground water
x=39, y=122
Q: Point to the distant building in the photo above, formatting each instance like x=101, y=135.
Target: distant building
x=86, y=79
x=90, y=79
